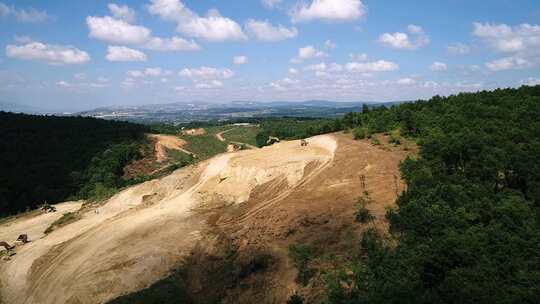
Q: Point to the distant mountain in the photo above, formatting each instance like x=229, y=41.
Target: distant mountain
x=204, y=111
x=19, y=108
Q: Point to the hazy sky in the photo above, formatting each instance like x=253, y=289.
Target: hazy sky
x=73, y=55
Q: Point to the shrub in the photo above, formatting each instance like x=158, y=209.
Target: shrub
x=295, y=299
x=361, y=133
x=301, y=255
x=363, y=215
x=395, y=137
x=375, y=141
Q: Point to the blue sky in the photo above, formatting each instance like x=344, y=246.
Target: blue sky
x=74, y=55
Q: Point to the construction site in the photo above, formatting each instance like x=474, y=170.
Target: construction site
x=251, y=200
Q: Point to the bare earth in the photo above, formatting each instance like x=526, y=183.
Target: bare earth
x=164, y=142
x=255, y=197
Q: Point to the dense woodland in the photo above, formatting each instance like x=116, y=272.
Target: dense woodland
x=468, y=228
x=48, y=158
x=295, y=128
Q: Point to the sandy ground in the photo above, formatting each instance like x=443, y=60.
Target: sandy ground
x=164, y=142
x=140, y=234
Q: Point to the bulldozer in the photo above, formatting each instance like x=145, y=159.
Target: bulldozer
x=272, y=140
x=48, y=208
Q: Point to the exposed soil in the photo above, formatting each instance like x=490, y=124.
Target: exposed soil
x=258, y=200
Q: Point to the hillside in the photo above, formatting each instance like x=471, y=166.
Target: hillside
x=143, y=233
x=48, y=158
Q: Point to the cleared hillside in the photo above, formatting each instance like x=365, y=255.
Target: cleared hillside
x=249, y=201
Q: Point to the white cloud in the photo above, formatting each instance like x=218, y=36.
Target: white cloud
x=375, y=66
x=214, y=84
x=122, y=53
x=359, y=57
x=316, y=67
x=148, y=72
x=329, y=11
x=438, y=67
x=330, y=45
x=171, y=44
x=309, y=52
x=27, y=16
x=212, y=27
x=399, y=40
x=406, y=81
x=264, y=30
x=508, y=63
x=116, y=31
x=270, y=4
x=49, y=53
x=507, y=39
x=520, y=43
x=206, y=73
x=458, y=49
x=293, y=71
x=122, y=12
x=63, y=83
x=240, y=60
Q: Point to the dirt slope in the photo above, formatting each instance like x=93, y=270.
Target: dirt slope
x=163, y=142
x=258, y=198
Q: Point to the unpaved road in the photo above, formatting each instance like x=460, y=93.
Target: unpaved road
x=164, y=142
x=140, y=234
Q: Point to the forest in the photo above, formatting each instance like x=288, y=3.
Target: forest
x=467, y=230
x=51, y=159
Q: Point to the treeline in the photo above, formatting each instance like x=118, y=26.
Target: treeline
x=48, y=158
x=294, y=128
x=467, y=229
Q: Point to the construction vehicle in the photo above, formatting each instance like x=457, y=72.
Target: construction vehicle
x=48, y=208
x=303, y=143
x=6, y=245
x=272, y=140
x=23, y=238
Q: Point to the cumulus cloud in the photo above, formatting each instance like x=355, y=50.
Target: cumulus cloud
x=122, y=53
x=49, y=53
x=116, y=31
x=293, y=71
x=458, y=49
x=28, y=16
x=63, y=83
x=329, y=11
x=309, y=52
x=438, y=67
x=358, y=57
x=240, y=60
x=406, y=81
x=171, y=44
x=264, y=30
x=520, y=44
x=374, y=66
x=416, y=38
x=119, y=30
x=206, y=73
x=122, y=12
x=316, y=67
x=212, y=27
x=214, y=84
x=508, y=63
